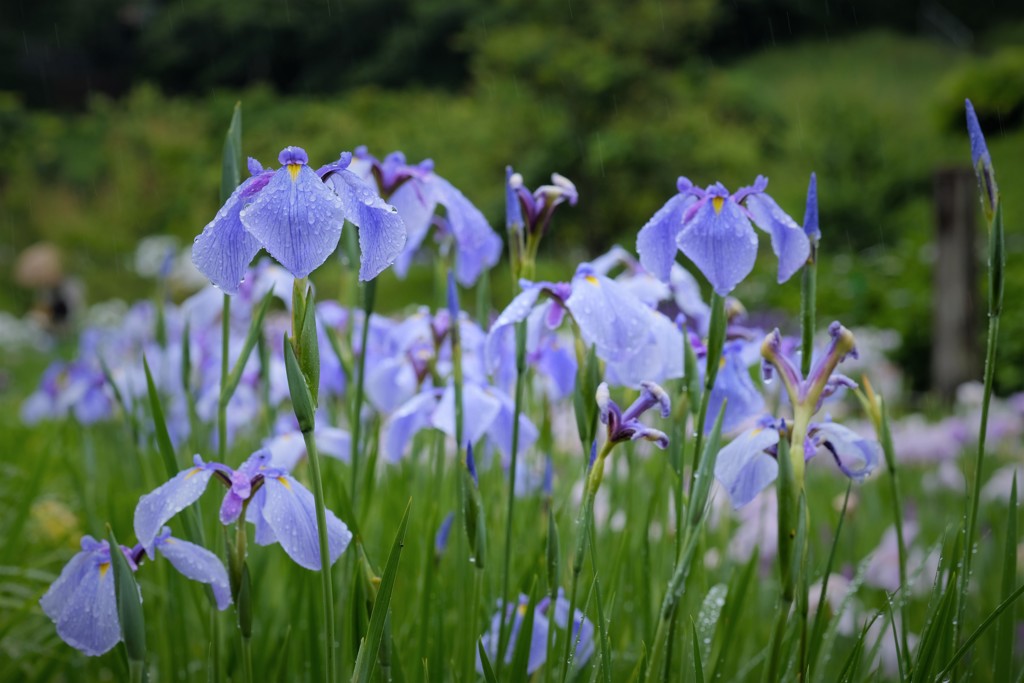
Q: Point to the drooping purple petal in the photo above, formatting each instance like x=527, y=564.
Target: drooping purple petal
x=608, y=317
x=381, y=230
x=479, y=247
x=198, y=564
x=223, y=251
x=156, y=508
x=288, y=509
x=81, y=602
x=297, y=218
x=720, y=242
x=743, y=467
x=656, y=242
x=789, y=242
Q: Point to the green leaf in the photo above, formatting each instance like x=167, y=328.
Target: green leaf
x=245, y=602
x=231, y=162
x=129, y=602
x=302, y=402
x=1005, y=628
x=1003, y=606
x=554, y=554
x=583, y=400
x=729, y=619
x=371, y=644
x=254, y=332
x=698, y=668
x=163, y=439
x=309, y=348
x=706, y=471
x=938, y=630
x=485, y=663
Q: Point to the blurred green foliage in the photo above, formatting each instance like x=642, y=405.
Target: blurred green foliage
x=615, y=98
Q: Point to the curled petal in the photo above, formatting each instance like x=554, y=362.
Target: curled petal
x=855, y=455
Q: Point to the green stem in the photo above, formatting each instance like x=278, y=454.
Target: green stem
x=369, y=299
x=325, y=559
x=520, y=385
x=897, y=510
x=716, y=340
x=997, y=263
x=808, y=303
x=136, y=670
x=247, y=660
x=222, y=403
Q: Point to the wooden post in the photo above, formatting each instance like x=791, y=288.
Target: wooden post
x=954, y=295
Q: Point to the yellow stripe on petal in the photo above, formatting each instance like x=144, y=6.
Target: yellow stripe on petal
x=193, y=472
x=104, y=568
x=593, y=280
x=293, y=170
x=718, y=203
x=285, y=482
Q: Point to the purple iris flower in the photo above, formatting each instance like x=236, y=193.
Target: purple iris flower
x=607, y=315
x=625, y=425
x=82, y=603
x=76, y=390
x=982, y=161
x=749, y=463
x=822, y=381
x=533, y=210
x=514, y=615
x=713, y=228
x=416, y=191
x=296, y=214
x=281, y=508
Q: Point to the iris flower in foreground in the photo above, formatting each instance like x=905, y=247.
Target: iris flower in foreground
x=281, y=508
x=297, y=214
x=713, y=228
x=82, y=603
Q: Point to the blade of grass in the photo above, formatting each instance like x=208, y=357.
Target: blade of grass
x=368, y=649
